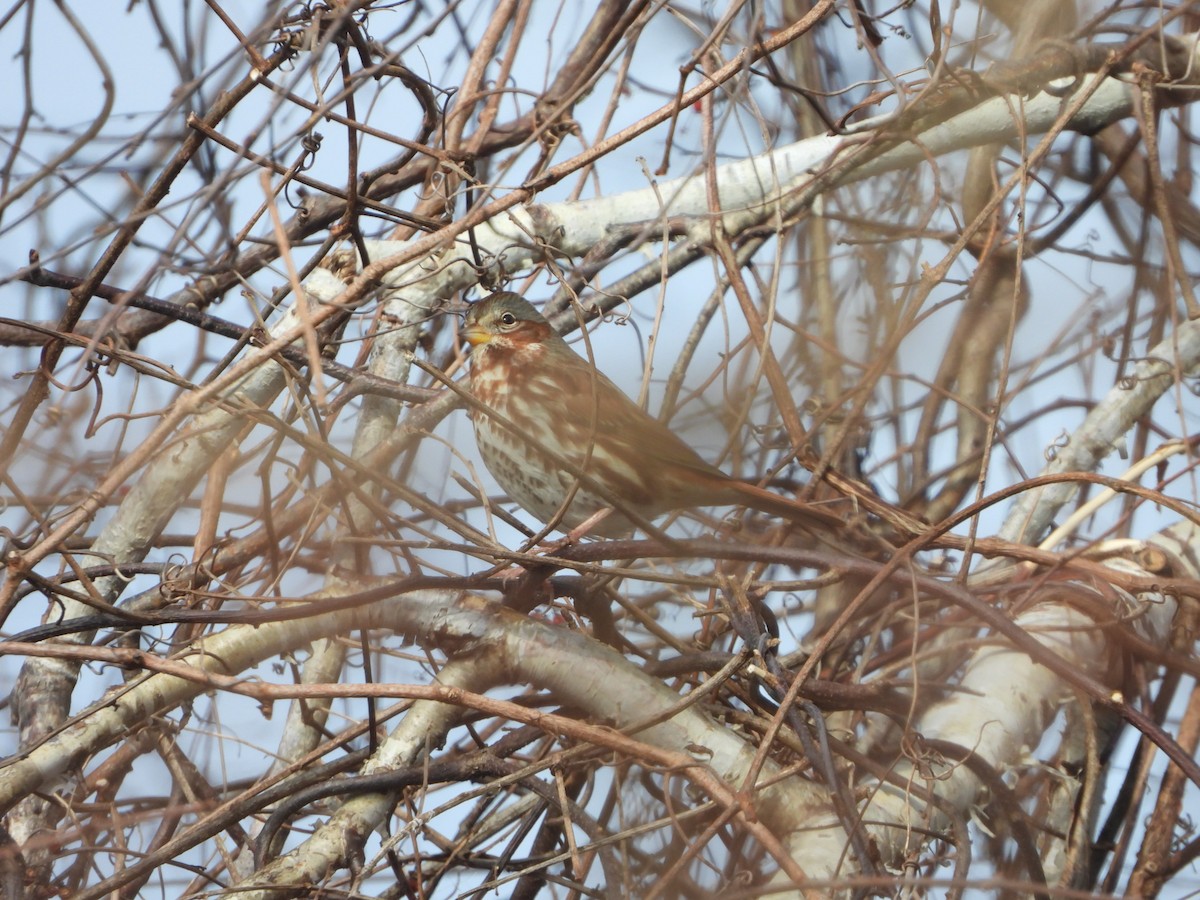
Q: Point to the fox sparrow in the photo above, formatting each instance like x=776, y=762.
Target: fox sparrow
x=565, y=442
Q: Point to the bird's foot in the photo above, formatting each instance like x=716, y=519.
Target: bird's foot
x=588, y=525
x=574, y=536
x=525, y=587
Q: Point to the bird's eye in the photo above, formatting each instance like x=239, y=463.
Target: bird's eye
x=508, y=320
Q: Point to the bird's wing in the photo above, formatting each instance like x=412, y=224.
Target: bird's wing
x=626, y=428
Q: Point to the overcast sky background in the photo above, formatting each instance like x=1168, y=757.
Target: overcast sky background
x=95, y=186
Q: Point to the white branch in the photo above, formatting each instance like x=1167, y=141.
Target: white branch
x=1006, y=699
x=1105, y=428
x=509, y=649
x=516, y=239
x=585, y=674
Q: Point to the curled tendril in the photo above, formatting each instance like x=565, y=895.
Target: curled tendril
x=311, y=143
x=1165, y=369
x=176, y=580
x=1059, y=443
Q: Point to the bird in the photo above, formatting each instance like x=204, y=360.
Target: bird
x=565, y=442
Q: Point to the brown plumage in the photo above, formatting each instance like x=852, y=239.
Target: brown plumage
x=559, y=425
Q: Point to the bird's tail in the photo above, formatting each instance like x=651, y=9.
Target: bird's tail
x=804, y=514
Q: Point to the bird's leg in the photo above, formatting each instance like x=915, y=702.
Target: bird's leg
x=526, y=587
x=587, y=525
x=576, y=534
x=525, y=576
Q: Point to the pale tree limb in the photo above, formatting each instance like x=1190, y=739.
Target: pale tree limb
x=1006, y=699
x=513, y=233
x=1105, y=428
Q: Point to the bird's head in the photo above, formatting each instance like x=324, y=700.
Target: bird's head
x=505, y=320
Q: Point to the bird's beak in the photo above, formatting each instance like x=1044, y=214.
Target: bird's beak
x=475, y=334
